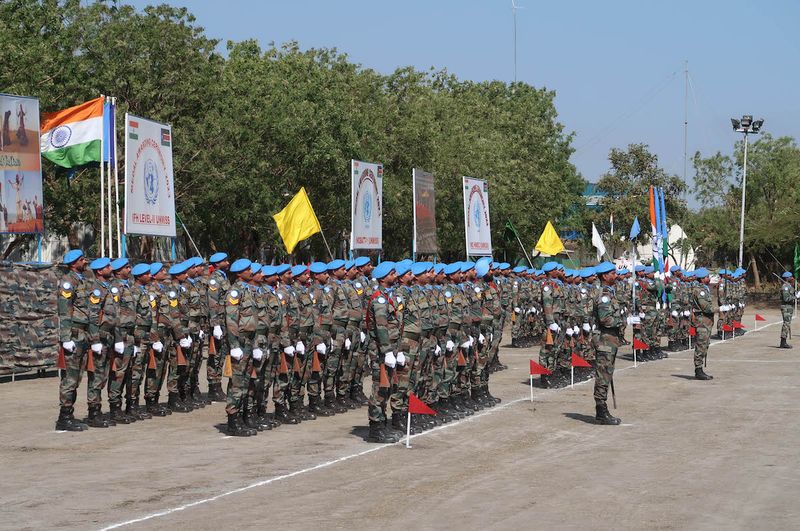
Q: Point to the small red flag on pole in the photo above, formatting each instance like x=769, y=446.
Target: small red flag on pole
x=640, y=345
x=538, y=369
x=692, y=331
x=577, y=361
x=727, y=328
x=417, y=406
x=759, y=318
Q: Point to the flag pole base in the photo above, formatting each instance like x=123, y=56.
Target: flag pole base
x=408, y=431
x=572, y=377
x=531, y=388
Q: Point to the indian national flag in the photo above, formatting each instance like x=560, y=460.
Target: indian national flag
x=72, y=137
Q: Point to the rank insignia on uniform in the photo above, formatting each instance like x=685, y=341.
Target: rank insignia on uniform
x=233, y=297
x=153, y=303
x=94, y=298
x=66, y=290
x=400, y=307
x=115, y=294
x=212, y=285
x=604, y=299
x=381, y=300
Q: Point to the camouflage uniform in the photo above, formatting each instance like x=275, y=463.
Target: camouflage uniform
x=787, y=309
x=384, y=331
x=125, y=303
x=553, y=309
x=703, y=311
x=241, y=320
x=171, y=329
x=217, y=292
x=102, y=321
x=73, y=325
x=144, y=335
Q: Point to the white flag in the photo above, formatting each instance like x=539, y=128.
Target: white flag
x=597, y=242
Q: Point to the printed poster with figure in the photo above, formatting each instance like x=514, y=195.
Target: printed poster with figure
x=21, y=200
x=476, y=217
x=366, y=200
x=149, y=181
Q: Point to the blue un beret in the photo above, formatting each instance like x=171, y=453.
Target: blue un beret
x=361, y=261
x=604, y=267
x=298, y=270
x=550, y=266
x=382, y=269
x=349, y=264
x=482, y=267
x=282, y=268
x=72, y=255
x=100, y=263
x=466, y=266
x=449, y=269
x=268, y=270
x=155, y=267
x=318, y=267
x=786, y=274
x=255, y=267
x=701, y=273
x=118, y=264
x=333, y=265
x=179, y=268
x=240, y=265
x=438, y=267
x=519, y=269
x=419, y=268
x=140, y=269
x=401, y=269
x=217, y=257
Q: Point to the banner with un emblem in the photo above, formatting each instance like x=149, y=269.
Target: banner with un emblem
x=149, y=184
x=476, y=217
x=366, y=227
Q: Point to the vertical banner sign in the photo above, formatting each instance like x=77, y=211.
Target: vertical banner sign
x=21, y=200
x=425, y=241
x=366, y=226
x=476, y=217
x=149, y=183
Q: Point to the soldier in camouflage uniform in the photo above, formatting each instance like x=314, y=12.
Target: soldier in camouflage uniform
x=703, y=310
x=120, y=375
x=349, y=314
x=321, y=342
x=218, y=286
x=553, y=308
x=102, y=317
x=163, y=348
x=304, y=348
x=407, y=299
x=241, y=315
x=361, y=362
x=197, y=323
x=172, y=315
x=144, y=304
x=73, y=336
x=384, y=330
x=288, y=297
x=788, y=297
x=257, y=370
x=609, y=318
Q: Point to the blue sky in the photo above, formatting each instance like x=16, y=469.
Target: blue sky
x=616, y=66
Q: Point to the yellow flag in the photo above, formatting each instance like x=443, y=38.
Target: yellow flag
x=549, y=242
x=297, y=221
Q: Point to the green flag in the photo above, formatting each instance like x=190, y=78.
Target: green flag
x=510, y=233
x=796, y=259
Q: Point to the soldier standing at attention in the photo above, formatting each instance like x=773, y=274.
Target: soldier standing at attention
x=102, y=317
x=218, y=286
x=144, y=336
x=787, y=308
x=703, y=311
x=73, y=326
x=125, y=349
x=609, y=319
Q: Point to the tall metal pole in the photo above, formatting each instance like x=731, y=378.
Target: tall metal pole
x=514, y=9
x=102, y=195
x=685, y=120
x=744, y=189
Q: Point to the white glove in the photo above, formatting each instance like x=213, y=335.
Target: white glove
x=554, y=327
x=184, y=342
x=437, y=350
x=363, y=336
x=481, y=338
x=300, y=348
x=347, y=343
x=594, y=327
x=658, y=306
x=389, y=360
x=97, y=347
x=449, y=346
x=569, y=332
x=322, y=348
x=517, y=309
x=634, y=320
x=586, y=327
x=641, y=315
x=401, y=358
x=674, y=313
x=201, y=335
x=236, y=353
x=687, y=313
x=218, y=331
x=119, y=347
x=289, y=351
x=258, y=354
x=576, y=330
x=466, y=344
x=69, y=346
x=741, y=305
x=158, y=346
x=136, y=351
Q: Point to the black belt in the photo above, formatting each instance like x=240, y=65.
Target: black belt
x=411, y=335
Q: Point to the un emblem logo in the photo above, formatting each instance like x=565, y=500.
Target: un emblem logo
x=150, y=182
x=476, y=216
x=366, y=207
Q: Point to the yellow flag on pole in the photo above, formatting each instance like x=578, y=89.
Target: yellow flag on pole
x=297, y=221
x=549, y=242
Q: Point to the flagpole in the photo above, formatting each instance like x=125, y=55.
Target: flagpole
x=102, y=193
x=530, y=263
x=408, y=431
x=108, y=202
x=531, y=388
x=326, y=242
x=414, y=213
x=116, y=171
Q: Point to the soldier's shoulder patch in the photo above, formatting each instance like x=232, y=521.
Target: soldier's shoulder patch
x=786, y=288
x=183, y=289
x=583, y=290
x=233, y=297
x=546, y=289
x=327, y=289
x=66, y=290
x=94, y=298
x=477, y=289
x=380, y=300
x=212, y=285
x=114, y=291
x=399, y=299
x=604, y=299
x=703, y=293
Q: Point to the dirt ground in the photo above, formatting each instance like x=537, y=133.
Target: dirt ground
x=689, y=455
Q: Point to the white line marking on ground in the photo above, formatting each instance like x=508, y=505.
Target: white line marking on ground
x=327, y=464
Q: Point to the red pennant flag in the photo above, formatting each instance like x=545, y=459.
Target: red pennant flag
x=727, y=328
x=640, y=345
x=692, y=331
x=737, y=324
x=759, y=318
x=538, y=369
x=577, y=361
x=415, y=405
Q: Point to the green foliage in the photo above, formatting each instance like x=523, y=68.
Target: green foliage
x=254, y=126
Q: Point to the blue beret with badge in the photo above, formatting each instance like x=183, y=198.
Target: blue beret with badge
x=155, y=267
x=382, y=269
x=179, y=268
x=240, y=265
x=786, y=274
x=268, y=270
x=701, y=273
x=140, y=269
x=100, y=263
x=118, y=264
x=550, y=266
x=72, y=255
x=401, y=269
x=298, y=270
x=217, y=258
x=482, y=268
x=255, y=267
x=318, y=267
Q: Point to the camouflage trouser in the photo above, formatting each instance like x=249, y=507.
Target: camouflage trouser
x=154, y=378
x=406, y=374
x=138, y=368
x=120, y=371
x=337, y=357
x=174, y=372
x=215, y=361
x=517, y=329
x=604, y=366
x=420, y=382
x=71, y=376
x=548, y=354
x=358, y=365
x=436, y=375
x=786, y=328
x=239, y=381
x=376, y=406
x=347, y=361
x=263, y=369
x=280, y=378
x=584, y=345
x=314, y=379
x=479, y=374
x=198, y=346
x=464, y=376
x=497, y=338
x=301, y=373
x=99, y=378
x=702, y=339
x=652, y=324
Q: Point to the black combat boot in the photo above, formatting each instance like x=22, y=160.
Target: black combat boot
x=450, y=408
x=489, y=395
x=784, y=344
x=96, y=419
x=237, y=428
x=700, y=374
x=357, y=395
x=459, y=406
x=319, y=409
x=399, y=422
x=337, y=406
x=265, y=418
x=198, y=395
x=154, y=408
x=283, y=416
x=378, y=433
x=66, y=421
x=118, y=415
x=605, y=417
x=215, y=393
x=175, y=404
x=299, y=411
x=163, y=407
x=133, y=409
